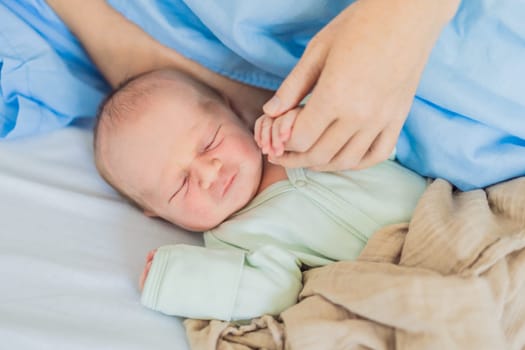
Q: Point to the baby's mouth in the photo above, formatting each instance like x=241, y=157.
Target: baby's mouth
x=228, y=184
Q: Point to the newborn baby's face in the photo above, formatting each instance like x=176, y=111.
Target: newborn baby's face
x=187, y=157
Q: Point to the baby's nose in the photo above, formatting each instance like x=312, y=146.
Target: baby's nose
x=209, y=172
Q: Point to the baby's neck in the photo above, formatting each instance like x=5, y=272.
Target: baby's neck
x=271, y=174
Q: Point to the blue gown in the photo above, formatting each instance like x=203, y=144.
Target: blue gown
x=466, y=124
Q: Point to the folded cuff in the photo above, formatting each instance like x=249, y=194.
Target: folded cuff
x=192, y=281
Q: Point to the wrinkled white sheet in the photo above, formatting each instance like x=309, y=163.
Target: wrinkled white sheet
x=71, y=252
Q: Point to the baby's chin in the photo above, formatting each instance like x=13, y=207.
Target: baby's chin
x=204, y=225
x=211, y=222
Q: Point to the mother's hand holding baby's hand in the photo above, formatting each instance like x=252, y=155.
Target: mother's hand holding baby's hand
x=272, y=133
x=365, y=65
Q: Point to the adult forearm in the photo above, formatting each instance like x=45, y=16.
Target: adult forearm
x=448, y=8
x=118, y=47
x=121, y=50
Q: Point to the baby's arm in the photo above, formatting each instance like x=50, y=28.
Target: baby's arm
x=272, y=133
x=223, y=284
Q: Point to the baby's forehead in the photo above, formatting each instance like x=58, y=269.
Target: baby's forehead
x=162, y=99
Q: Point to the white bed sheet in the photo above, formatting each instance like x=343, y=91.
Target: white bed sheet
x=71, y=251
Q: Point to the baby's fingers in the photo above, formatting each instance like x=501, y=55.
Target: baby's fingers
x=151, y=254
x=288, y=120
x=282, y=130
x=277, y=142
x=144, y=275
x=266, y=135
x=257, y=131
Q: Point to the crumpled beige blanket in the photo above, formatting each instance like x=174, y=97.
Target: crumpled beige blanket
x=454, y=278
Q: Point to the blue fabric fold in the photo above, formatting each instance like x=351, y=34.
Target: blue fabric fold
x=466, y=124
x=46, y=79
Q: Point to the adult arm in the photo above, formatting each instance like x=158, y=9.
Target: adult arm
x=225, y=284
x=121, y=49
x=118, y=47
x=363, y=69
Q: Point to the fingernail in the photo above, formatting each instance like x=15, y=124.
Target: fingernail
x=271, y=160
x=272, y=106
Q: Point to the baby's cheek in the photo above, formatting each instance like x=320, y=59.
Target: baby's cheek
x=249, y=150
x=205, y=215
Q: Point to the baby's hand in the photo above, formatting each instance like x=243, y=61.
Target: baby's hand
x=149, y=260
x=272, y=133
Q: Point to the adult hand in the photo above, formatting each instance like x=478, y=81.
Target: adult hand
x=365, y=66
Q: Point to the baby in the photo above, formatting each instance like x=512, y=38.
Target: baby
x=177, y=149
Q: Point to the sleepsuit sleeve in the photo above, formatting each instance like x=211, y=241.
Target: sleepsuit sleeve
x=225, y=284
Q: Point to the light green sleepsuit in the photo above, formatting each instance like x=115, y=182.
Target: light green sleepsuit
x=251, y=264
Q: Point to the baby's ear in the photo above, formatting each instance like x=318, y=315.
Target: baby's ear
x=149, y=213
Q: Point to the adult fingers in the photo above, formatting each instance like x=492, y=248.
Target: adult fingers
x=311, y=122
x=381, y=148
x=320, y=154
x=300, y=81
x=350, y=155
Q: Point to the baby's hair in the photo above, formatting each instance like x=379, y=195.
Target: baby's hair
x=123, y=100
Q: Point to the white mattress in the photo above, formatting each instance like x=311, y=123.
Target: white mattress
x=71, y=252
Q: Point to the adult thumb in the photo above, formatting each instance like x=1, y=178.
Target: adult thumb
x=297, y=84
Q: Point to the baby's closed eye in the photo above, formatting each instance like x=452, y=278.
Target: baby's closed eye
x=179, y=188
x=214, y=141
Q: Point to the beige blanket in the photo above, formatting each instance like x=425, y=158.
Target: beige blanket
x=454, y=278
